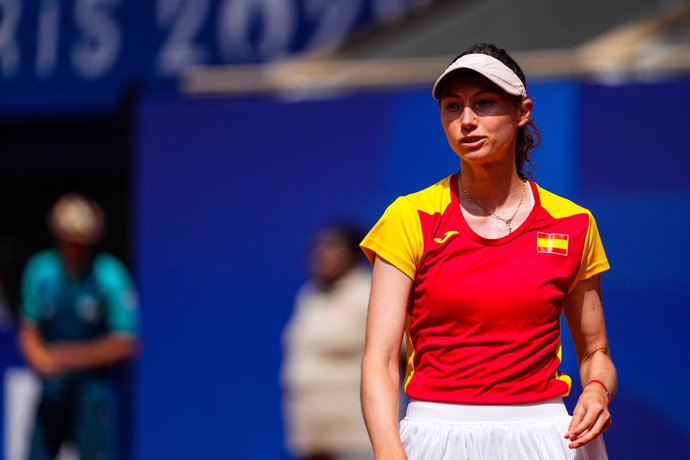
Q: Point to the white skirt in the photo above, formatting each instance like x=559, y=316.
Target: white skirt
x=441, y=431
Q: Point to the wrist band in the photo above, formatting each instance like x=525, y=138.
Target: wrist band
x=603, y=385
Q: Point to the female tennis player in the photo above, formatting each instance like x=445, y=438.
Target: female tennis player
x=476, y=270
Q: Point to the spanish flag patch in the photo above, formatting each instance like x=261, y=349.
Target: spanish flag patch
x=552, y=243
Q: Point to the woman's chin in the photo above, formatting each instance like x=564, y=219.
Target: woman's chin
x=474, y=156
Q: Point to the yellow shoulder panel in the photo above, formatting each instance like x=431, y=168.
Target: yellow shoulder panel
x=433, y=199
x=559, y=207
x=397, y=236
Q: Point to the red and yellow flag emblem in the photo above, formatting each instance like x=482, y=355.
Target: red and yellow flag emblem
x=552, y=243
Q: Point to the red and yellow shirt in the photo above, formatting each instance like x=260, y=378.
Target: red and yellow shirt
x=483, y=323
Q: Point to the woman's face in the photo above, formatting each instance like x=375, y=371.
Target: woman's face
x=480, y=120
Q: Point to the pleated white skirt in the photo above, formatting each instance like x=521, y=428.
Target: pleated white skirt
x=440, y=431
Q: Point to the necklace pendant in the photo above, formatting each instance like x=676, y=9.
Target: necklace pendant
x=490, y=213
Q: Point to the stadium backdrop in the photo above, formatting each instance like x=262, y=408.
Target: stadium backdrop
x=58, y=55
x=226, y=193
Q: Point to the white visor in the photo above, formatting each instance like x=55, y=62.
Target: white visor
x=489, y=67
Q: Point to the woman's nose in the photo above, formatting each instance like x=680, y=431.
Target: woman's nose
x=468, y=118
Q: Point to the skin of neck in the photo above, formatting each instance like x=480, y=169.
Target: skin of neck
x=494, y=185
x=75, y=257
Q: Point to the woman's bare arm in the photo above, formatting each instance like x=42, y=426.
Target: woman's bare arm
x=390, y=293
x=585, y=316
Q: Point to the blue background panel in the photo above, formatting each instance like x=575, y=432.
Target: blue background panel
x=229, y=193
x=633, y=168
x=81, y=55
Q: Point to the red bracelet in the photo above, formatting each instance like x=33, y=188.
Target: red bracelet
x=603, y=385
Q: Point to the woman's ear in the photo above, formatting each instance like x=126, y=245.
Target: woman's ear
x=524, y=111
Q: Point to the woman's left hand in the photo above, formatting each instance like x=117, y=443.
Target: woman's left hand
x=585, y=317
x=591, y=416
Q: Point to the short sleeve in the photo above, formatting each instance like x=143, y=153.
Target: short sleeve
x=397, y=237
x=594, y=259
x=120, y=296
x=30, y=298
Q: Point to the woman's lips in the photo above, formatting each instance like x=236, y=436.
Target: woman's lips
x=472, y=142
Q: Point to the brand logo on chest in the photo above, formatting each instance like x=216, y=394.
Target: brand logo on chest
x=448, y=235
x=552, y=243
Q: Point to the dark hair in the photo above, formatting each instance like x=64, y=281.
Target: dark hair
x=528, y=136
x=349, y=233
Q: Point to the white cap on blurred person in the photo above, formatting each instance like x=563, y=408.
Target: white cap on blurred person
x=76, y=219
x=493, y=69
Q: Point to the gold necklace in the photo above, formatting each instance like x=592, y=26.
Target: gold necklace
x=490, y=213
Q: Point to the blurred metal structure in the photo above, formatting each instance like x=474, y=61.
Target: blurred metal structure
x=610, y=41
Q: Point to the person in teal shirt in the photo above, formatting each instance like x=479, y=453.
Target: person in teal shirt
x=79, y=318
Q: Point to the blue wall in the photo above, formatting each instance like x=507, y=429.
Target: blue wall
x=228, y=191
x=633, y=166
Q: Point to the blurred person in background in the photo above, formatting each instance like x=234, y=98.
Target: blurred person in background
x=324, y=344
x=78, y=319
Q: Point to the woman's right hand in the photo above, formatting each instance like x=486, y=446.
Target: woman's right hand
x=396, y=451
